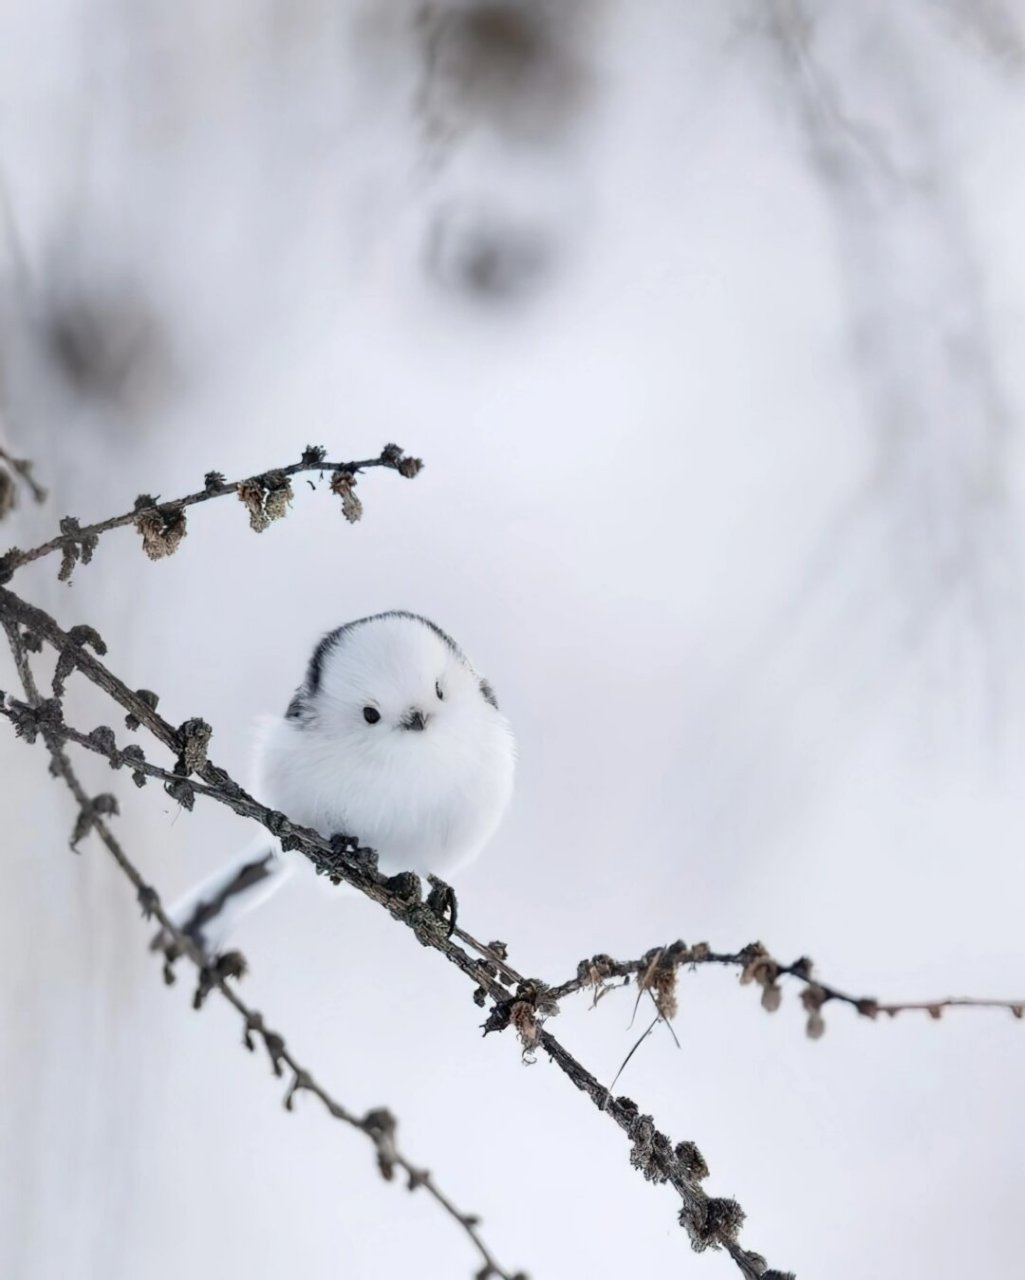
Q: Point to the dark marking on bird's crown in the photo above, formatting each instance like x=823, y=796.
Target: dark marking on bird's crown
x=336, y=637
x=299, y=705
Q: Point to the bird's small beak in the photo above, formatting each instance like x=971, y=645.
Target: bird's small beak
x=414, y=719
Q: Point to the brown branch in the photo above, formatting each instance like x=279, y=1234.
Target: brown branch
x=596, y=974
x=401, y=895
x=517, y=1001
x=101, y=741
x=378, y=1125
x=162, y=524
x=656, y=970
x=711, y=1222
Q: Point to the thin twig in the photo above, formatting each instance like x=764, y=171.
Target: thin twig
x=314, y=459
x=758, y=966
x=637, y=1044
x=116, y=758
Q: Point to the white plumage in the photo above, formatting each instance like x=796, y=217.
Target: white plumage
x=393, y=738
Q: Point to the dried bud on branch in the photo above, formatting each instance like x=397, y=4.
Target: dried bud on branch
x=267, y=498
x=691, y=1161
x=30, y=721
x=100, y=806
x=162, y=530
x=393, y=456
x=76, y=546
x=301, y=1080
x=712, y=1222
x=133, y=756
x=232, y=964
x=772, y=996
x=149, y=699
x=651, y=1151
x=68, y=659
x=195, y=737
x=813, y=997
x=525, y=1024
x=148, y=901
x=659, y=977
x=381, y=1126
x=343, y=483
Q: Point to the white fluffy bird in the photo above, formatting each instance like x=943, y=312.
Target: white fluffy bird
x=392, y=738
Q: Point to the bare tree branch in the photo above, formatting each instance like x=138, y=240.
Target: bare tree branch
x=516, y=1001
x=711, y=1222
x=162, y=524
x=657, y=969
x=379, y=1125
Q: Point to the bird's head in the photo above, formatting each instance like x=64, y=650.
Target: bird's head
x=395, y=683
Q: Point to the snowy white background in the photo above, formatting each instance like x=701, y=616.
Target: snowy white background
x=708, y=322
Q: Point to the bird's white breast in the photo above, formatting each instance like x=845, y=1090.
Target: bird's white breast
x=425, y=804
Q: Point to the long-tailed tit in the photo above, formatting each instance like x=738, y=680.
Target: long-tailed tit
x=392, y=738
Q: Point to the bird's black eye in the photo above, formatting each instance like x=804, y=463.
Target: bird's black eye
x=371, y=715
x=439, y=691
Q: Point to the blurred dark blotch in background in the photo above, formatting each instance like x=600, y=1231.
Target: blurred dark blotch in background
x=105, y=343
x=519, y=67
x=487, y=255
x=90, y=331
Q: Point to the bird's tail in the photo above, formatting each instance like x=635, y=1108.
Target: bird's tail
x=209, y=912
